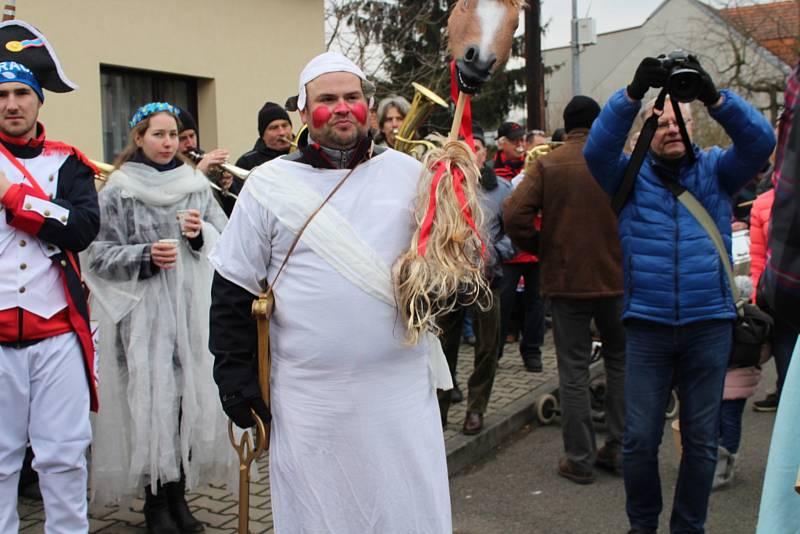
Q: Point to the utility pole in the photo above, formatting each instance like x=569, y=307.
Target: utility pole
x=534, y=79
x=576, y=50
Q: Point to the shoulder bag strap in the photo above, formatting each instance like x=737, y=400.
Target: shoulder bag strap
x=701, y=215
x=262, y=311
x=305, y=225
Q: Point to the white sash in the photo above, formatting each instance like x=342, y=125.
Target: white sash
x=334, y=240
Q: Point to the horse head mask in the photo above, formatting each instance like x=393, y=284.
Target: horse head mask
x=480, y=36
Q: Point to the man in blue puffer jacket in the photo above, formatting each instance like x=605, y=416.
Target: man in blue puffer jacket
x=678, y=310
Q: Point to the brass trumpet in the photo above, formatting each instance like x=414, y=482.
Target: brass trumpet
x=540, y=150
x=294, y=146
x=421, y=107
x=233, y=170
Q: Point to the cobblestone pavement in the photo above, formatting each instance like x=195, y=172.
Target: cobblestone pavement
x=218, y=509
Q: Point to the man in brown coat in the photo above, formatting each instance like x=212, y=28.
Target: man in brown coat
x=581, y=272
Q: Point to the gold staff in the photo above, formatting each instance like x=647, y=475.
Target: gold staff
x=261, y=310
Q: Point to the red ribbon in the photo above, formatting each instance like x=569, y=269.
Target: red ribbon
x=465, y=129
x=427, y=223
x=458, y=188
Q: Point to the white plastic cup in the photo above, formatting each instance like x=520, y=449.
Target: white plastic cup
x=173, y=242
x=182, y=215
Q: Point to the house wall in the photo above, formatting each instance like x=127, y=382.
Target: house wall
x=243, y=53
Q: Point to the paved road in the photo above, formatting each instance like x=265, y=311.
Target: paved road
x=218, y=509
x=513, y=490
x=516, y=490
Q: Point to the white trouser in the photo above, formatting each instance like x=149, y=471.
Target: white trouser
x=44, y=398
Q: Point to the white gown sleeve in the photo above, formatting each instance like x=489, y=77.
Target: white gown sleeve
x=243, y=252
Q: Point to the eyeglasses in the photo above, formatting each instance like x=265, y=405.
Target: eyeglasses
x=662, y=126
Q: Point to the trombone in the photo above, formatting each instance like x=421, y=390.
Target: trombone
x=101, y=177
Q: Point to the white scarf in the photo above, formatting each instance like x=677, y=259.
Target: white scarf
x=158, y=188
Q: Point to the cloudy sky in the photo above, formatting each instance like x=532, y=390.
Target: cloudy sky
x=610, y=15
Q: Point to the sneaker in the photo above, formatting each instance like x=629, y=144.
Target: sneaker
x=767, y=404
x=574, y=473
x=726, y=463
x=722, y=467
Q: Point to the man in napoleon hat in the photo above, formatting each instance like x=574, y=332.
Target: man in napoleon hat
x=48, y=213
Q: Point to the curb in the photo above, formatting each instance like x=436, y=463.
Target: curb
x=463, y=451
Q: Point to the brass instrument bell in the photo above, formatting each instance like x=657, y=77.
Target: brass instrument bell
x=421, y=107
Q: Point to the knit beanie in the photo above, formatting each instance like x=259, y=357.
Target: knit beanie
x=187, y=121
x=580, y=113
x=270, y=112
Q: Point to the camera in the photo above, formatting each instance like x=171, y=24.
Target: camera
x=684, y=82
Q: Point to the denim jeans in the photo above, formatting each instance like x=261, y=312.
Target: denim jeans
x=730, y=424
x=694, y=358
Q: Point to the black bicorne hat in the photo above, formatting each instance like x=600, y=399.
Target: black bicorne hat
x=22, y=43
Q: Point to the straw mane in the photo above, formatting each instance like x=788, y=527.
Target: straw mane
x=450, y=272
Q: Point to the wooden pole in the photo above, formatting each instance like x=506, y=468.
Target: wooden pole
x=462, y=102
x=10, y=10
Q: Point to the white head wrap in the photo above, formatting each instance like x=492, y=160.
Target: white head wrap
x=324, y=64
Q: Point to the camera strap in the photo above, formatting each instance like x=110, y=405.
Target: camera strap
x=643, y=145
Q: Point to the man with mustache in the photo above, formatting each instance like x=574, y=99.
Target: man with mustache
x=510, y=157
x=356, y=439
x=274, y=137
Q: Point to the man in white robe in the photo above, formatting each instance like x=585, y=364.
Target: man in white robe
x=356, y=440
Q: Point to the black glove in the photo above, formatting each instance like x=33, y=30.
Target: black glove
x=708, y=93
x=238, y=407
x=649, y=74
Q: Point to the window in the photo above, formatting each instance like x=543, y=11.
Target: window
x=124, y=90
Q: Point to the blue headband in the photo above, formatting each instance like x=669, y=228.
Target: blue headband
x=153, y=107
x=11, y=71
